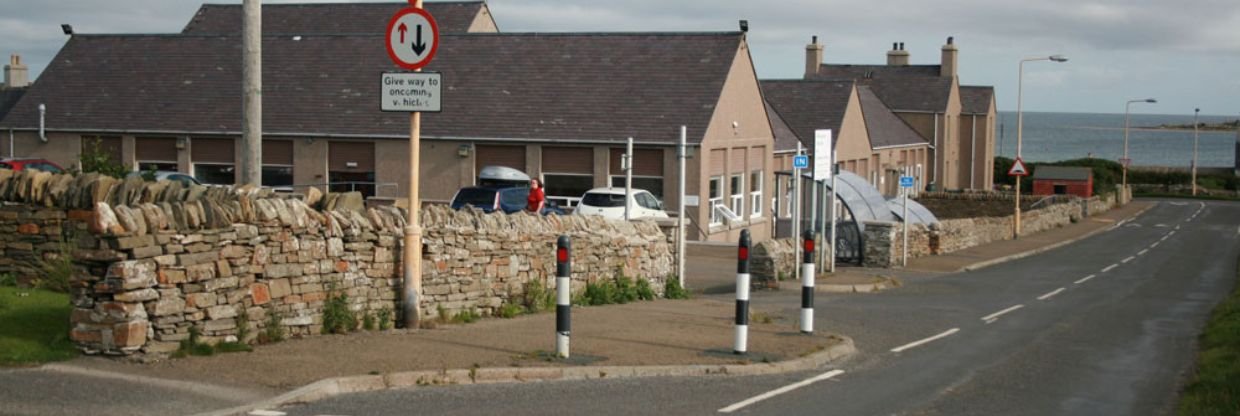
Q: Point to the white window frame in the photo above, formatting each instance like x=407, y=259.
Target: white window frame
x=790, y=188
x=737, y=199
x=715, y=200
x=755, y=197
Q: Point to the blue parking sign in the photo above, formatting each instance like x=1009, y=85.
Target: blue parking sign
x=906, y=181
x=800, y=161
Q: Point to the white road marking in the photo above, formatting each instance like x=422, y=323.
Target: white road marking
x=1109, y=268
x=1177, y=227
x=1179, y=204
x=1160, y=225
x=995, y=316
x=1156, y=243
x=1142, y=252
x=919, y=343
x=1164, y=238
x=1171, y=233
x=1086, y=279
x=1052, y=293
x=780, y=391
x=261, y=412
x=1127, y=259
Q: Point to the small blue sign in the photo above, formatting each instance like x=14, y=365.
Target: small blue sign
x=800, y=162
x=906, y=181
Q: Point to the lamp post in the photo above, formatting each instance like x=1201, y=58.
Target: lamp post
x=1125, y=161
x=1020, y=89
x=1196, y=111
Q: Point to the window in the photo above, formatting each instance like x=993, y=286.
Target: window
x=147, y=165
x=738, y=194
x=1061, y=189
x=603, y=200
x=788, y=191
x=755, y=194
x=278, y=176
x=647, y=201
x=217, y=174
x=278, y=164
x=566, y=187
x=716, y=198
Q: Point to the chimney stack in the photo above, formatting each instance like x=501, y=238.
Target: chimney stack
x=813, y=58
x=15, y=73
x=897, y=56
x=947, y=67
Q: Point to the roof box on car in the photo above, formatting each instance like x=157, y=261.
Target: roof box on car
x=502, y=175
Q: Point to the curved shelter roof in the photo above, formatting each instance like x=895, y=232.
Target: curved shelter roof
x=862, y=199
x=917, y=213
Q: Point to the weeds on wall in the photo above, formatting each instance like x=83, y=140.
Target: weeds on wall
x=243, y=325
x=368, y=321
x=337, y=318
x=385, y=318
x=57, y=267
x=274, y=331
x=673, y=290
x=95, y=159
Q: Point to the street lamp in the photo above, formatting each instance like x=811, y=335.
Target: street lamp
x=1125, y=161
x=1020, y=122
x=1196, y=111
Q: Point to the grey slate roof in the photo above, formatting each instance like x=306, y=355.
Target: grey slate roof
x=325, y=18
x=785, y=139
x=8, y=98
x=902, y=88
x=809, y=105
x=886, y=129
x=975, y=99
x=841, y=71
x=1063, y=173
x=578, y=87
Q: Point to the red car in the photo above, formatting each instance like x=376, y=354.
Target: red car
x=37, y=164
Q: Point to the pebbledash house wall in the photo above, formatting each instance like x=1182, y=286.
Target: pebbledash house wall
x=152, y=260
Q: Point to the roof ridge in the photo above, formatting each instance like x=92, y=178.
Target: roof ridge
x=369, y=34
x=360, y=3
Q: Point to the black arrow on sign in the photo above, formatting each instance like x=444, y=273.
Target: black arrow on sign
x=418, y=46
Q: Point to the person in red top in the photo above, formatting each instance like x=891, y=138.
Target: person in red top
x=537, y=198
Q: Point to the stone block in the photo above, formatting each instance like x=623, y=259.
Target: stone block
x=200, y=300
x=147, y=251
x=313, y=296
x=219, y=325
x=200, y=272
x=130, y=334
x=141, y=295
x=220, y=283
x=86, y=335
x=28, y=229
x=133, y=274
x=191, y=259
x=260, y=294
x=131, y=242
x=167, y=306
x=275, y=271
x=221, y=312
x=223, y=269
x=171, y=276
x=280, y=288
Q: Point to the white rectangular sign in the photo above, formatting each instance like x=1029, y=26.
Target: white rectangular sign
x=412, y=92
x=822, y=154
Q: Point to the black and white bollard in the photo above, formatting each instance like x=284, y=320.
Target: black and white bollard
x=563, y=307
x=742, y=295
x=807, y=283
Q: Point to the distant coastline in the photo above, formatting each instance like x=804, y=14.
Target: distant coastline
x=1225, y=126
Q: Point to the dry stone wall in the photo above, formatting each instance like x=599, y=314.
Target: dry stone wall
x=884, y=240
x=150, y=261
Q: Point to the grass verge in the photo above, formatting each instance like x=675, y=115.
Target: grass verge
x=1216, y=387
x=34, y=329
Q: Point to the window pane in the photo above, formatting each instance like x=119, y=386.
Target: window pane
x=277, y=176
x=214, y=174
x=363, y=182
x=603, y=200
x=567, y=186
x=715, y=192
x=755, y=181
x=737, y=187
x=160, y=166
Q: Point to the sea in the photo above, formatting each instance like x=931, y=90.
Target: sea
x=1050, y=137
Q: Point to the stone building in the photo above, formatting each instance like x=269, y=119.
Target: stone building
x=557, y=106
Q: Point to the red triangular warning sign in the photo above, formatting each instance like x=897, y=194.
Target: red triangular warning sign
x=1018, y=169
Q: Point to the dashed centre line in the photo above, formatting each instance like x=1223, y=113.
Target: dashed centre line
x=1156, y=243
x=1128, y=259
x=781, y=390
x=1050, y=294
x=1109, y=268
x=1142, y=252
x=995, y=316
x=1086, y=279
x=924, y=341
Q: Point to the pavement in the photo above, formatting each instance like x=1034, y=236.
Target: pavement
x=661, y=338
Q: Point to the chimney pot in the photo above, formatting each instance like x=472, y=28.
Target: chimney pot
x=815, y=38
x=950, y=39
x=897, y=56
x=947, y=65
x=813, y=58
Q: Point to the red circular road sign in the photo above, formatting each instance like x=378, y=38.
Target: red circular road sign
x=412, y=38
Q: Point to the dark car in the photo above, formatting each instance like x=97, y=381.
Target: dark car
x=36, y=164
x=508, y=199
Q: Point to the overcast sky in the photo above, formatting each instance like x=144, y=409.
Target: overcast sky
x=1185, y=54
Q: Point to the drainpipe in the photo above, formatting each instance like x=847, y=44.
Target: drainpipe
x=42, y=123
x=973, y=154
x=938, y=150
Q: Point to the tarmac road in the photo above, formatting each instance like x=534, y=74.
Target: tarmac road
x=1106, y=325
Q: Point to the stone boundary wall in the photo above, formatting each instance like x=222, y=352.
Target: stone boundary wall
x=152, y=260
x=884, y=240
x=776, y=258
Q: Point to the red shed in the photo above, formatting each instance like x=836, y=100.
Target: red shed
x=1063, y=180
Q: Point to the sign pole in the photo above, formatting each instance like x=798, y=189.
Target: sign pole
x=796, y=206
x=835, y=171
x=904, y=251
x=682, y=155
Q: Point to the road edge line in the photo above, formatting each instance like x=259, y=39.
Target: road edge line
x=987, y=263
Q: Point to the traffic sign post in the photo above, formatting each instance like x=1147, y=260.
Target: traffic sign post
x=412, y=40
x=906, y=183
x=800, y=161
x=1018, y=170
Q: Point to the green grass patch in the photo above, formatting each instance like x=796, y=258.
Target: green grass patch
x=34, y=328
x=1216, y=389
x=673, y=290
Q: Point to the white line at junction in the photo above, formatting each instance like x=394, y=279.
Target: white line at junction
x=1052, y=293
x=1156, y=243
x=1109, y=268
x=1142, y=252
x=924, y=341
x=1086, y=279
x=995, y=316
x=741, y=404
x=1127, y=259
